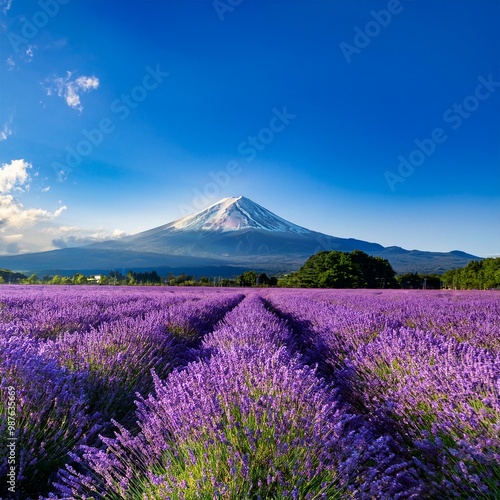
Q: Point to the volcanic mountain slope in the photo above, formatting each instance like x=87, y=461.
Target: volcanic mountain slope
x=231, y=232
x=236, y=228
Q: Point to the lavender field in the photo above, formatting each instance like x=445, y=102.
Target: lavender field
x=152, y=393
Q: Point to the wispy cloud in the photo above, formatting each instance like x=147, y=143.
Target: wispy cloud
x=29, y=52
x=6, y=130
x=5, y=5
x=25, y=52
x=71, y=88
x=74, y=236
x=11, y=64
x=23, y=56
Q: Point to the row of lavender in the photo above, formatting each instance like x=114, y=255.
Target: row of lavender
x=423, y=367
x=73, y=359
x=250, y=419
x=246, y=420
x=403, y=402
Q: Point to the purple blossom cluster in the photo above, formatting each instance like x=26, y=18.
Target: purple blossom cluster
x=51, y=416
x=424, y=368
x=247, y=419
x=441, y=397
x=150, y=393
x=77, y=360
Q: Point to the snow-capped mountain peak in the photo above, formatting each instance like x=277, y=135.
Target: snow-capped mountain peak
x=233, y=214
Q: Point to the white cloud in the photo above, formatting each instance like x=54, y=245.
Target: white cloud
x=29, y=52
x=118, y=233
x=59, y=211
x=13, y=238
x=70, y=89
x=22, y=56
x=74, y=236
x=13, y=214
x=11, y=243
x=11, y=64
x=14, y=175
x=5, y=132
x=30, y=229
x=87, y=82
x=16, y=220
x=5, y=5
x=46, y=234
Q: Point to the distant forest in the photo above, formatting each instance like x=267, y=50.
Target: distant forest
x=323, y=270
x=479, y=275
x=7, y=276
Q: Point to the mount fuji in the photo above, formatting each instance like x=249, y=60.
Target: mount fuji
x=239, y=230
x=234, y=214
x=231, y=235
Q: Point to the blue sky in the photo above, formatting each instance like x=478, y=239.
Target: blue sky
x=377, y=120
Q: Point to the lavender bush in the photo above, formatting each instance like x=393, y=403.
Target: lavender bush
x=247, y=421
x=435, y=392
x=285, y=394
x=73, y=381
x=442, y=397
x=51, y=416
x=116, y=359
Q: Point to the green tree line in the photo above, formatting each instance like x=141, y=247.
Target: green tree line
x=326, y=269
x=480, y=275
x=8, y=276
x=247, y=279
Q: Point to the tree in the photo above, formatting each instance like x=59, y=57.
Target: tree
x=79, y=279
x=130, y=278
x=32, y=280
x=227, y=282
x=415, y=280
x=248, y=278
x=334, y=269
x=476, y=274
x=263, y=279
x=116, y=276
x=9, y=276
